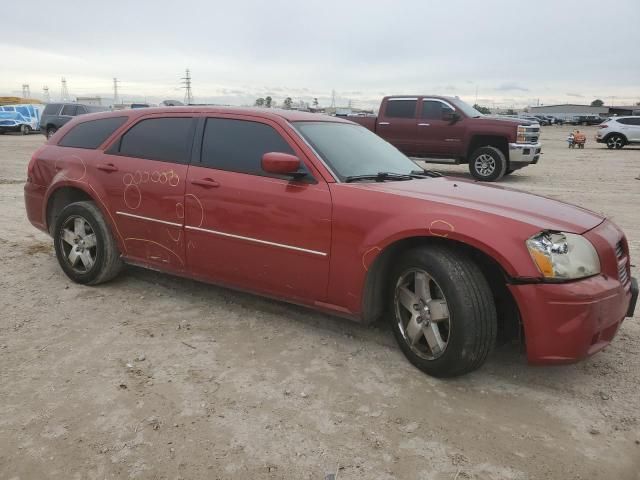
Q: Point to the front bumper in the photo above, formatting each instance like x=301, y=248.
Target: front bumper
x=566, y=322
x=523, y=154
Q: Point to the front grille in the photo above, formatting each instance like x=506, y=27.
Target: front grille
x=623, y=260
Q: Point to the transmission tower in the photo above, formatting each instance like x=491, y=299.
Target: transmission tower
x=188, y=94
x=333, y=99
x=26, y=92
x=47, y=97
x=115, y=90
x=64, y=92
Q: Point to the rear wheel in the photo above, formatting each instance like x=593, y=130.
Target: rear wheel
x=85, y=248
x=615, y=141
x=25, y=129
x=487, y=164
x=443, y=314
x=51, y=131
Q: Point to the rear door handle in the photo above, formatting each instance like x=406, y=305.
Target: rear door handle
x=424, y=124
x=206, y=183
x=107, y=167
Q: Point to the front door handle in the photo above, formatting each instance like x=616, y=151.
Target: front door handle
x=206, y=183
x=384, y=123
x=424, y=124
x=107, y=167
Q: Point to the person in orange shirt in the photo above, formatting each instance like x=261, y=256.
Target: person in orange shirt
x=579, y=138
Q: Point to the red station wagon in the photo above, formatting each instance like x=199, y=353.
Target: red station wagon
x=321, y=212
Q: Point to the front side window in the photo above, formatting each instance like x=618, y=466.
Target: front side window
x=238, y=145
x=434, y=109
x=91, y=134
x=81, y=110
x=164, y=139
x=69, y=110
x=401, y=108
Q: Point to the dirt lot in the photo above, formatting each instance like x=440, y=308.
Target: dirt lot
x=153, y=376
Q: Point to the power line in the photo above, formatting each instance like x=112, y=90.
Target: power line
x=188, y=94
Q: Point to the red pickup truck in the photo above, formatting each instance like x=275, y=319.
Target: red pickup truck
x=447, y=130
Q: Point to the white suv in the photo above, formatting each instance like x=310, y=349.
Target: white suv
x=617, y=132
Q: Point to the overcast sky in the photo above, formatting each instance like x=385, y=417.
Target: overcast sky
x=511, y=52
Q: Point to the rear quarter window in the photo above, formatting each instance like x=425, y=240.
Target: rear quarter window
x=91, y=134
x=51, y=109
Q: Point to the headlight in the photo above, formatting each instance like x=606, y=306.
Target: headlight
x=522, y=134
x=563, y=256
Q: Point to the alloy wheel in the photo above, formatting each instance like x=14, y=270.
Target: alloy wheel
x=485, y=164
x=422, y=314
x=614, y=142
x=79, y=244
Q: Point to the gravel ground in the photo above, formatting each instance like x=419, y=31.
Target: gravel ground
x=156, y=377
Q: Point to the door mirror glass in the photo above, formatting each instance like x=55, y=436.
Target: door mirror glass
x=450, y=116
x=282, y=164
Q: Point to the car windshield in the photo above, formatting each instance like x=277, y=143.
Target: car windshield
x=351, y=150
x=467, y=109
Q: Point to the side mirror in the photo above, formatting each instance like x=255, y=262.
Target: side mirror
x=450, y=116
x=282, y=164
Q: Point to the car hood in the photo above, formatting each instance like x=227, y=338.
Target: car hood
x=503, y=120
x=540, y=212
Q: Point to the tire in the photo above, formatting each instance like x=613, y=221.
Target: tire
x=80, y=228
x=51, y=131
x=487, y=164
x=509, y=171
x=25, y=129
x=615, y=141
x=469, y=331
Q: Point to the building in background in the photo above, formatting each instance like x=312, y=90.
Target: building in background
x=95, y=101
x=568, y=111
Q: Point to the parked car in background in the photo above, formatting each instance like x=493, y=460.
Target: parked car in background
x=586, y=120
x=617, y=132
x=541, y=119
x=319, y=211
x=448, y=130
x=55, y=115
x=23, y=118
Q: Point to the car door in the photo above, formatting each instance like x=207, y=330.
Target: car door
x=145, y=171
x=250, y=229
x=631, y=128
x=437, y=135
x=397, y=123
x=67, y=113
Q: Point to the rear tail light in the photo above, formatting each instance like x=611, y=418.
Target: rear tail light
x=603, y=125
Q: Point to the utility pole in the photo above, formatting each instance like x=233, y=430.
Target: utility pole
x=64, y=92
x=47, y=97
x=26, y=92
x=115, y=90
x=188, y=95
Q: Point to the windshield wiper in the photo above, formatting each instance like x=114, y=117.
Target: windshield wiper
x=426, y=174
x=379, y=177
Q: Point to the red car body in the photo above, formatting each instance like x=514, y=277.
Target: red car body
x=323, y=243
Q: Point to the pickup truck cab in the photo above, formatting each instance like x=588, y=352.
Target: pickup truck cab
x=447, y=130
x=321, y=212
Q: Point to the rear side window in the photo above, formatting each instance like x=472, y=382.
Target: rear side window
x=404, y=108
x=51, y=109
x=165, y=139
x=69, y=110
x=238, y=145
x=91, y=134
x=629, y=121
x=81, y=110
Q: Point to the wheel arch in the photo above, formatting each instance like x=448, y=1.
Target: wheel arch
x=484, y=140
x=378, y=277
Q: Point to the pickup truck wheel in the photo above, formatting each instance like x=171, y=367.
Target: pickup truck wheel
x=487, y=164
x=84, y=246
x=509, y=172
x=443, y=314
x=615, y=141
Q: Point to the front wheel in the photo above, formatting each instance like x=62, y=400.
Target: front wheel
x=443, y=313
x=85, y=248
x=488, y=164
x=50, y=132
x=615, y=141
